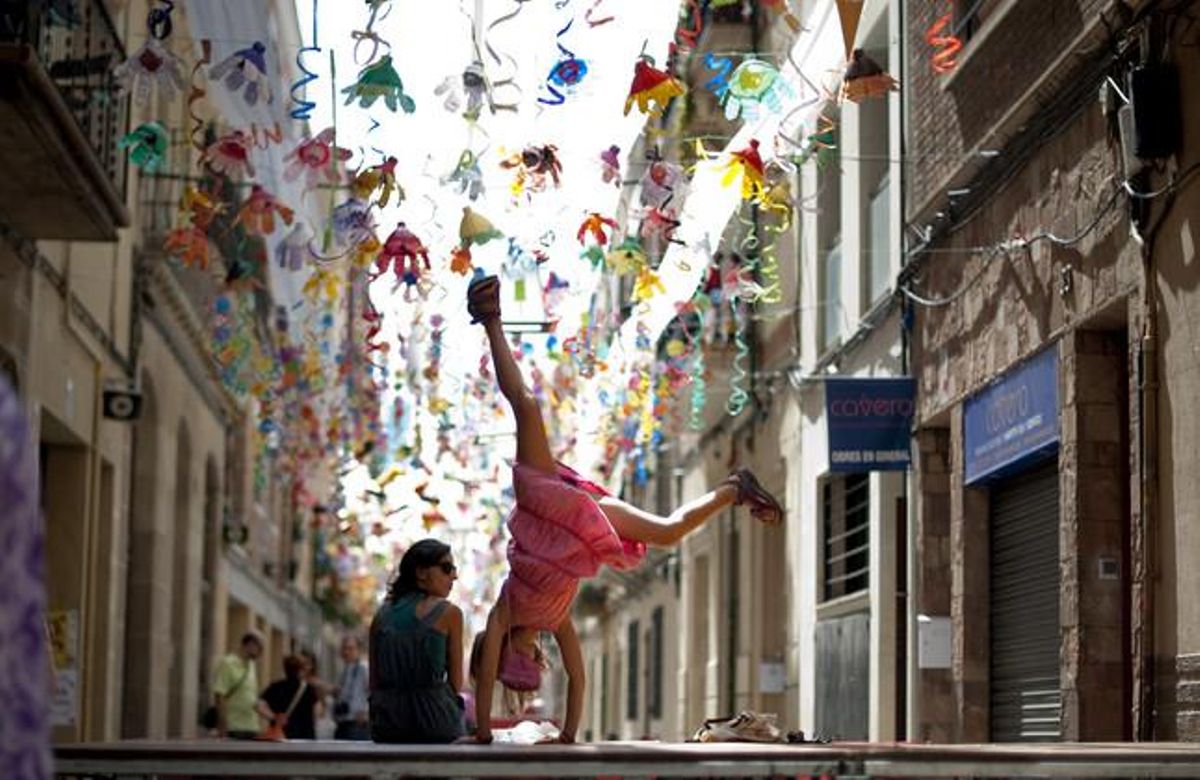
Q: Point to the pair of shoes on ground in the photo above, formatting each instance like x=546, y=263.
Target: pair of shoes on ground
x=750, y=492
x=483, y=298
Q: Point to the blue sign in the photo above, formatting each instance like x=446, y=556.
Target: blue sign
x=1014, y=420
x=870, y=423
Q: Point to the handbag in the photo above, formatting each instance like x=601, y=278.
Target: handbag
x=274, y=730
x=211, y=717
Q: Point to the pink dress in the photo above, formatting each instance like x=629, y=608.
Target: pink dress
x=559, y=536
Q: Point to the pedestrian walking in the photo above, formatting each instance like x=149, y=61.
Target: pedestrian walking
x=350, y=706
x=235, y=689
x=290, y=705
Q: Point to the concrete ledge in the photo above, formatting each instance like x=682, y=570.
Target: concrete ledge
x=626, y=759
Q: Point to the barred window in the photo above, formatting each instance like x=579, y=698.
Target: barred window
x=846, y=513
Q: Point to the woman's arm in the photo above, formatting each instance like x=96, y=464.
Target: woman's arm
x=572, y=655
x=489, y=665
x=454, y=647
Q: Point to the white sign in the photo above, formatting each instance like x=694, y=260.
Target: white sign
x=772, y=677
x=933, y=642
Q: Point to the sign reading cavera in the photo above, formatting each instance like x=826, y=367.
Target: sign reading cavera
x=870, y=423
x=1014, y=420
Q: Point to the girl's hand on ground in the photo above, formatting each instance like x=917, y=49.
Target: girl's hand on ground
x=561, y=739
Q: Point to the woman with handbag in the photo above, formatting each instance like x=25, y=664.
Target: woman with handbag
x=289, y=704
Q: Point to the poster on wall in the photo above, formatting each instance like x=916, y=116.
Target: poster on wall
x=870, y=423
x=62, y=629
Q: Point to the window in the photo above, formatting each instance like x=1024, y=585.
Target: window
x=831, y=293
x=656, y=663
x=878, y=247
x=970, y=15
x=846, y=512
x=632, y=668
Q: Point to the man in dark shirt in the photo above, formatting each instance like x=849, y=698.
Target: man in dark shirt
x=293, y=692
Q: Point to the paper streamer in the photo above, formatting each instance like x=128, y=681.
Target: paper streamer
x=738, y=397
x=196, y=93
x=719, y=84
x=688, y=38
x=587, y=16
x=699, y=389
x=947, y=45
x=304, y=107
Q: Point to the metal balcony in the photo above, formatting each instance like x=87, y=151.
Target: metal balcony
x=60, y=120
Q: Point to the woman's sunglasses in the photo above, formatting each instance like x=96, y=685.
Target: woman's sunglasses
x=448, y=568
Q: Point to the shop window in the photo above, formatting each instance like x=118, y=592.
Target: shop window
x=845, y=513
x=633, y=666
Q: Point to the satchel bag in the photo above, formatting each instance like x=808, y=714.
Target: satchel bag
x=274, y=731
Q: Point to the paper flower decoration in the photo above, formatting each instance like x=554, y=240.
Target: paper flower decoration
x=293, y=252
x=381, y=177
x=460, y=260
x=230, y=155
x=864, y=78
x=190, y=245
x=470, y=86
x=315, y=159
x=257, y=214
x=245, y=71
x=475, y=229
x=147, y=145
x=610, y=165
x=153, y=65
x=400, y=252
x=627, y=257
x=748, y=165
x=754, y=83
x=199, y=206
x=646, y=285
x=533, y=165
x=380, y=80
x=594, y=225
x=652, y=89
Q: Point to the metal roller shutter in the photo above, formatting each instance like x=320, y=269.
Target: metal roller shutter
x=1026, y=698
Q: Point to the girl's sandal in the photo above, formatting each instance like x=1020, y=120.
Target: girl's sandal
x=483, y=299
x=762, y=504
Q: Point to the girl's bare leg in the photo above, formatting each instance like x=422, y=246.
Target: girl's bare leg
x=533, y=447
x=642, y=526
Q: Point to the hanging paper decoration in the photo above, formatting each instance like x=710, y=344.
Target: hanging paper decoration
x=594, y=225
x=401, y=252
x=566, y=74
x=865, y=78
x=753, y=84
x=627, y=257
x=304, y=107
x=849, y=14
x=646, y=285
x=941, y=37
x=596, y=22
x=660, y=182
x=658, y=227
x=723, y=65
x=652, y=89
x=189, y=243
x=610, y=165
x=324, y=283
x=748, y=165
x=293, y=253
x=153, y=65
x=380, y=80
x=230, y=155
x=352, y=223
x=257, y=214
x=245, y=71
x=381, y=177
x=316, y=159
x=147, y=146
x=533, y=165
x=467, y=175
x=473, y=230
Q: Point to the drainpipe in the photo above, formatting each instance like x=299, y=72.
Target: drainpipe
x=1145, y=559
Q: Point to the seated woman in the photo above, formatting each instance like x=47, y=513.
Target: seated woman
x=416, y=652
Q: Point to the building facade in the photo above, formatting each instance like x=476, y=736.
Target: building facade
x=148, y=457
x=1050, y=287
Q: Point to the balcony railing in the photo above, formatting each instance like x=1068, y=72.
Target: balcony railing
x=64, y=117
